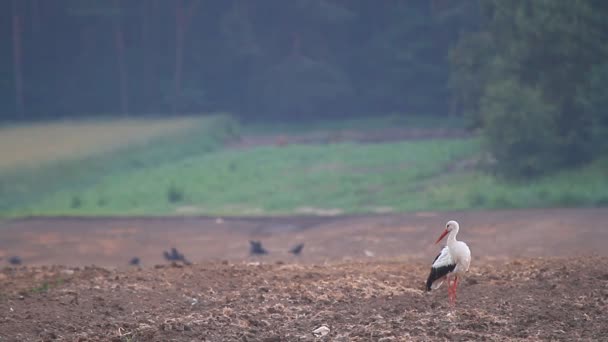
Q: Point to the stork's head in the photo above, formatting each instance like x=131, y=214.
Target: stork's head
x=450, y=226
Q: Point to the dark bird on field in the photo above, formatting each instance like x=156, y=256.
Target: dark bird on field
x=135, y=261
x=175, y=256
x=15, y=260
x=256, y=248
x=297, y=249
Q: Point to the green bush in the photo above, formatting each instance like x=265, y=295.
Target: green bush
x=76, y=202
x=519, y=129
x=174, y=193
x=102, y=202
x=469, y=74
x=533, y=76
x=593, y=98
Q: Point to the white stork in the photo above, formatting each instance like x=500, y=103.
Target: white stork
x=453, y=261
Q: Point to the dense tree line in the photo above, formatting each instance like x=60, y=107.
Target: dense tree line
x=534, y=78
x=275, y=58
x=531, y=75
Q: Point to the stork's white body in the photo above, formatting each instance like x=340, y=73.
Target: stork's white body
x=453, y=261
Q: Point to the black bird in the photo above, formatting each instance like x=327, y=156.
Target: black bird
x=15, y=260
x=256, y=248
x=135, y=261
x=297, y=249
x=175, y=256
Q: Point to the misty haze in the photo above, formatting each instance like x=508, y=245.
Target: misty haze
x=305, y=170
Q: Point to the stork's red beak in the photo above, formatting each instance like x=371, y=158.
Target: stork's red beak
x=445, y=232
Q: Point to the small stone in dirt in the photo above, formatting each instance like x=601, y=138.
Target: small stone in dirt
x=67, y=272
x=48, y=336
x=369, y=254
x=341, y=338
x=247, y=337
x=386, y=339
x=321, y=331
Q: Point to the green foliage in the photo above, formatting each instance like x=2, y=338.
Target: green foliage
x=174, y=193
x=75, y=202
x=277, y=57
x=102, y=202
x=469, y=74
x=519, y=128
x=580, y=187
x=399, y=71
x=47, y=285
x=300, y=86
x=273, y=180
x=348, y=178
x=189, y=99
x=593, y=98
x=351, y=178
x=528, y=70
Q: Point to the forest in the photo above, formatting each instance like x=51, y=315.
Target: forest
x=528, y=76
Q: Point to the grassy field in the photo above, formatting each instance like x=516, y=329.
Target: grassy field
x=33, y=145
x=180, y=167
x=271, y=180
x=97, y=150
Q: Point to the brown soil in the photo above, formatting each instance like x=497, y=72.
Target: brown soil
x=536, y=275
x=360, y=136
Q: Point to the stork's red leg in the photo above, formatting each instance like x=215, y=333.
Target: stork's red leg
x=451, y=293
x=455, y=287
x=449, y=280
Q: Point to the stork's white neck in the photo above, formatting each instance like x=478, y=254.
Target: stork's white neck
x=452, y=236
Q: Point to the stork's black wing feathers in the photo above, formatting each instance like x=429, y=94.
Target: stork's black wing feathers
x=437, y=257
x=438, y=273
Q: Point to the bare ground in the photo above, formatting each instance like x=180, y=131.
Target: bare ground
x=536, y=275
x=358, y=136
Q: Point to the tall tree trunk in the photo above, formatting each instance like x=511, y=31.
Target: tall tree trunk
x=179, y=46
x=295, y=44
x=122, y=67
x=182, y=20
x=35, y=17
x=145, y=42
x=17, y=60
